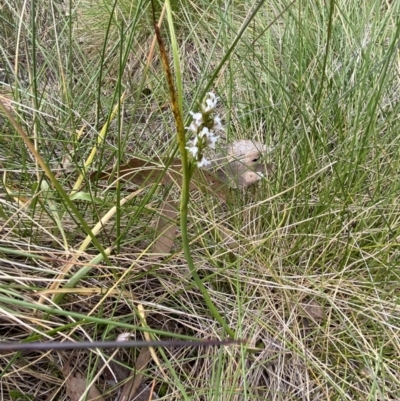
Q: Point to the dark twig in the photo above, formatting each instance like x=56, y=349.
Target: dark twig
x=56, y=345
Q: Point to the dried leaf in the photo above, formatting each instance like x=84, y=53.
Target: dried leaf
x=145, y=393
x=136, y=171
x=132, y=385
x=166, y=227
x=140, y=172
x=314, y=311
x=238, y=168
x=76, y=385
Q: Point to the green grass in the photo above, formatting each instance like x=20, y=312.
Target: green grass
x=318, y=81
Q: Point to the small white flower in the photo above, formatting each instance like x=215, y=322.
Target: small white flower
x=196, y=122
x=210, y=102
x=211, y=140
x=124, y=337
x=210, y=105
x=205, y=132
x=217, y=124
x=194, y=150
x=192, y=127
x=203, y=162
x=197, y=117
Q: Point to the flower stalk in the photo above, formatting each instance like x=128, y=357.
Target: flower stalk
x=204, y=126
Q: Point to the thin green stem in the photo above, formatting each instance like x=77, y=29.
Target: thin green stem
x=185, y=244
x=187, y=172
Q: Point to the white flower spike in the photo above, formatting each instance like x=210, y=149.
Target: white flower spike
x=204, y=125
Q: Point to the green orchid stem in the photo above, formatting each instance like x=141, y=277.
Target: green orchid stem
x=187, y=173
x=185, y=244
